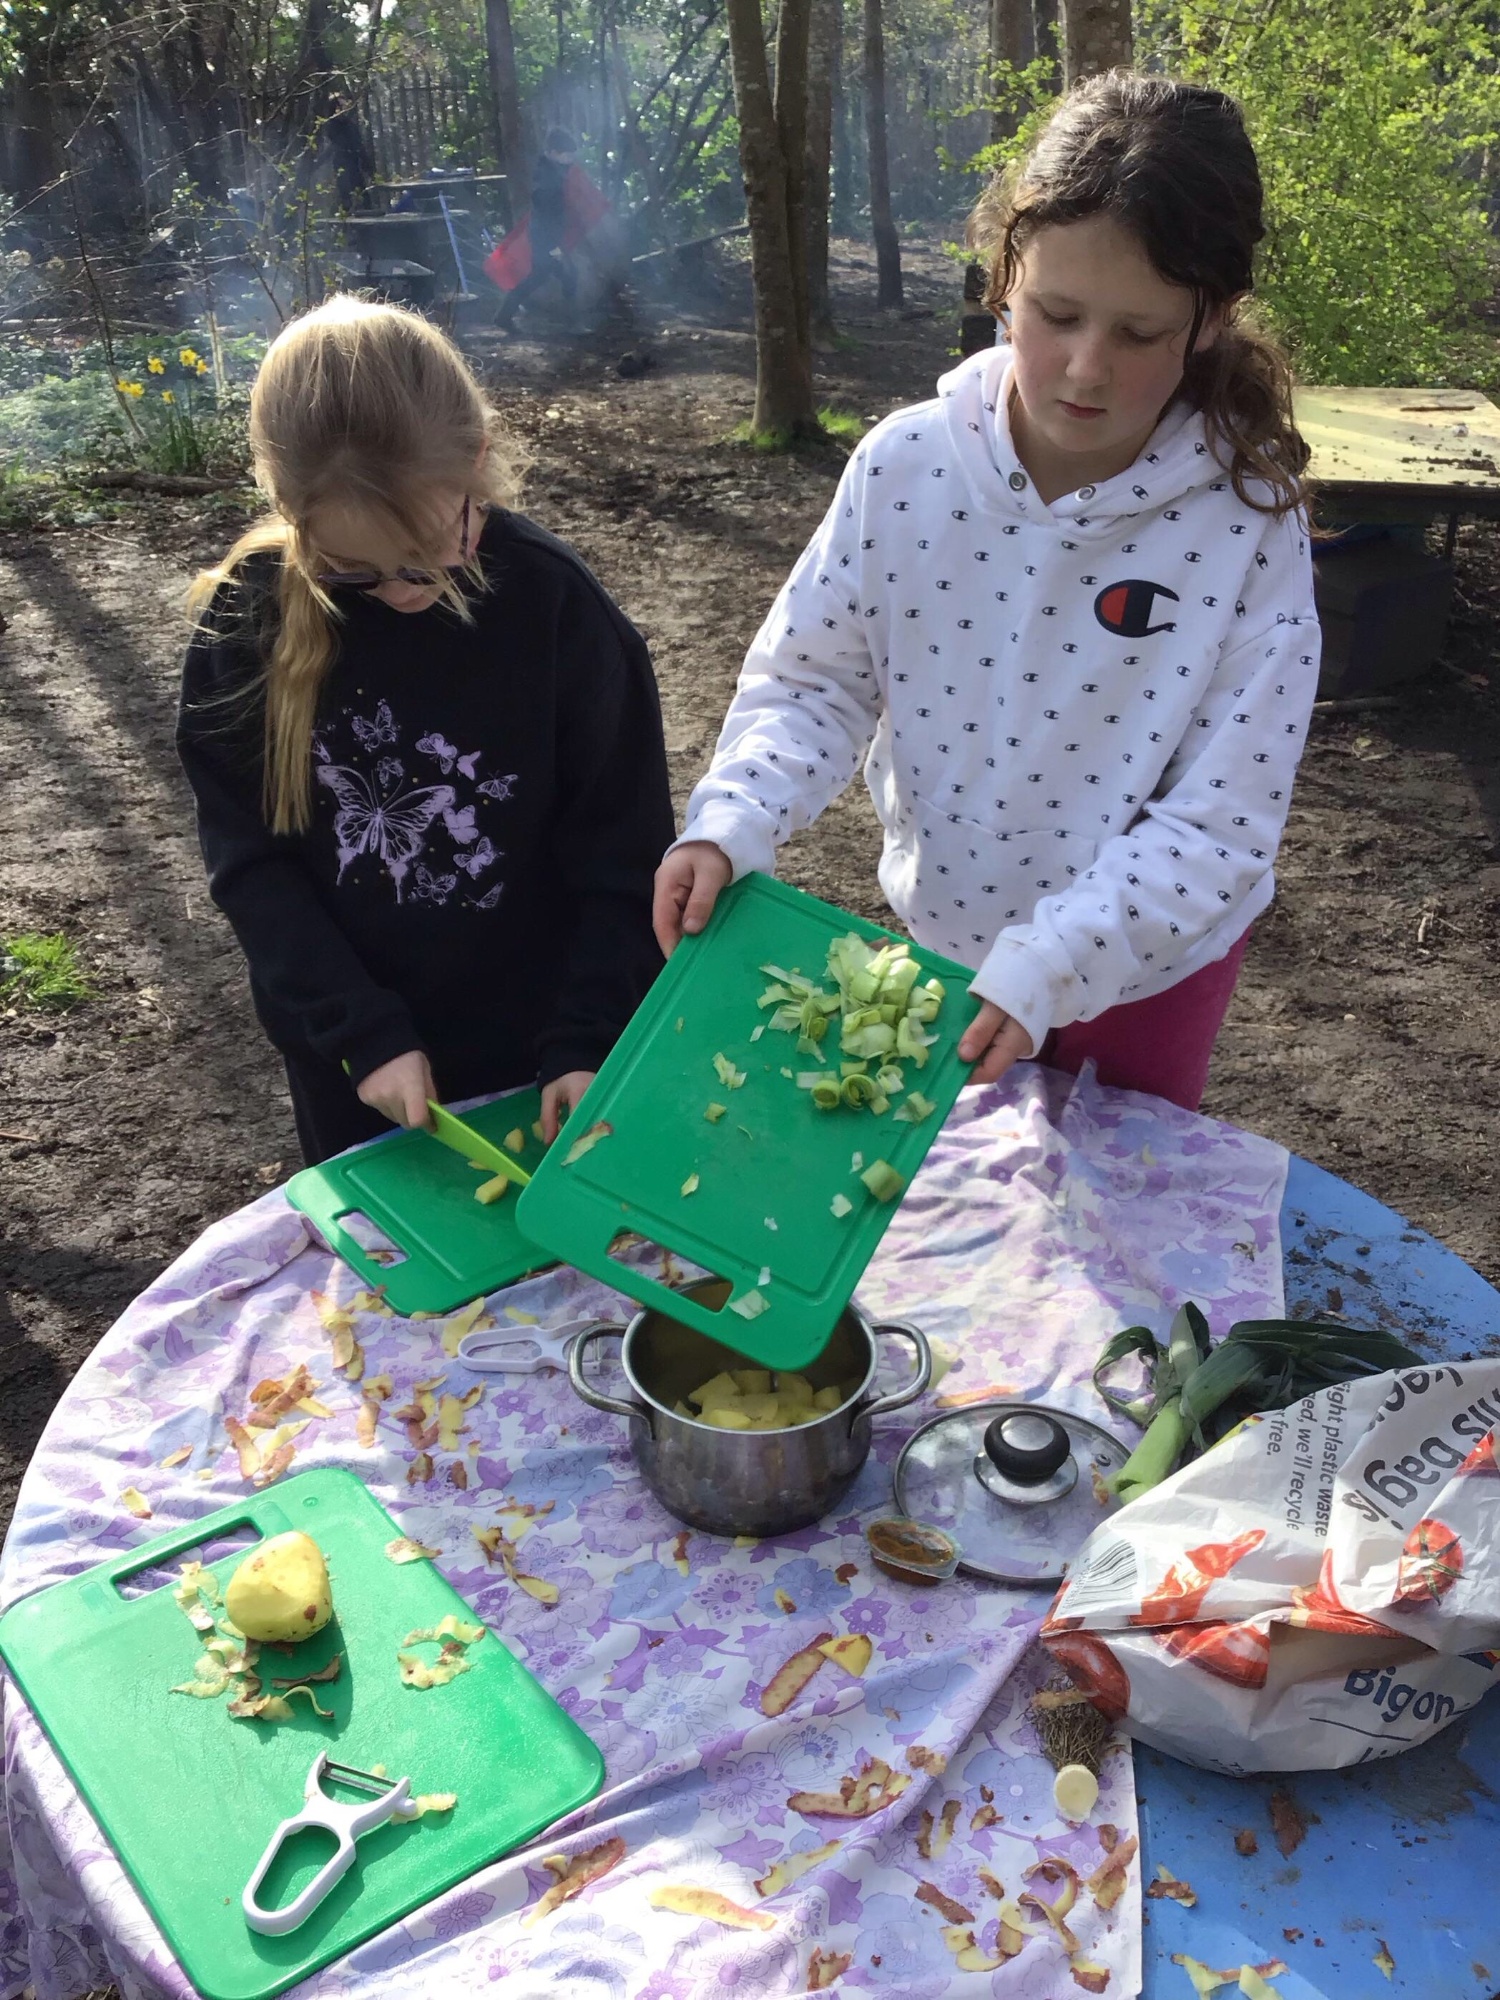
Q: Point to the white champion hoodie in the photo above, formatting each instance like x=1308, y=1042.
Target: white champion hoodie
x=1086, y=718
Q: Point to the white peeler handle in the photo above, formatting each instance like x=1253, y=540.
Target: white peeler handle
x=346, y=1822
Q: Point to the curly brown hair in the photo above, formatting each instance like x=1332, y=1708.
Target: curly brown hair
x=1173, y=163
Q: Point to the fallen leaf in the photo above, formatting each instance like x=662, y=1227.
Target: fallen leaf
x=689, y=1901
x=1167, y=1884
x=135, y=1502
x=944, y=1904
x=574, y=1876
x=1383, y=1960
x=405, y=1550
x=176, y=1457
x=792, y=1677
x=825, y=1967
x=792, y=1867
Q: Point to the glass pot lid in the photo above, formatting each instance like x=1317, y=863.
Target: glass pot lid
x=1020, y=1486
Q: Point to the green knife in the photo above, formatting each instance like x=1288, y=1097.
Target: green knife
x=461, y=1138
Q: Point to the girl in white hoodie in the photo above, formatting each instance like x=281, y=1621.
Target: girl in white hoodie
x=1070, y=599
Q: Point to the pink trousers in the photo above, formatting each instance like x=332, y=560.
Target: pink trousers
x=1161, y=1045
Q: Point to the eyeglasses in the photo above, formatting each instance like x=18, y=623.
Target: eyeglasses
x=425, y=579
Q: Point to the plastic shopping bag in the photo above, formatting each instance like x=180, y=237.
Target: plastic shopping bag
x=1319, y=1589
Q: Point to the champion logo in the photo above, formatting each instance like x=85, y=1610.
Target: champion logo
x=1126, y=608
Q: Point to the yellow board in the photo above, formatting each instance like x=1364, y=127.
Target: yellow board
x=1438, y=446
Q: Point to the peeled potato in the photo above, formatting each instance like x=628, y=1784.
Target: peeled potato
x=1075, y=1791
x=722, y=1389
x=828, y=1399
x=726, y=1417
x=280, y=1593
x=752, y=1381
x=794, y=1388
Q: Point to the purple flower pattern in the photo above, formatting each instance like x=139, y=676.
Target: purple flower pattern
x=1050, y=1212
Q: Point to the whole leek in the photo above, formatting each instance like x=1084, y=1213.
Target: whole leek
x=1261, y=1364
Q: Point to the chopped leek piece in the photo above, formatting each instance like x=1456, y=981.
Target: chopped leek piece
x=765, y=1275
x=883, y=1181
x=826, y=1094
x=690, y=1185
x=858, y=1089
x=680, y=1023
x=854, y=1069
x=807, y=1079
x=773, y=997
x=714, y=1112
x=915, y=1109
x=785, y=1071
x=757, y=1031
x=880, y=1104
x=856, y=1162
x=841, y=1205
x=772, y=1223
x=728, y=1075
x=751, y=1306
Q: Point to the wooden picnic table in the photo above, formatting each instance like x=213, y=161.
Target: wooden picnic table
x=1403, y=455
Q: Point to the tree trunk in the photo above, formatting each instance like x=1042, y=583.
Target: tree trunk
x=783, y=366
x=1012, y=46
x=1046, y=36
x=1095, y=37
x=843, y=158
x=887, y=244
x=793, y=29
x=820, y=62
x=505, y=89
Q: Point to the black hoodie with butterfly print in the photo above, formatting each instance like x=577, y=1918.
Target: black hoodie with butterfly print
x=490, y=803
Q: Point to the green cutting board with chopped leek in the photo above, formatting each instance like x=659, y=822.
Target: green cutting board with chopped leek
x=420, y=1195
x=189, y=1797
x=761, y=1215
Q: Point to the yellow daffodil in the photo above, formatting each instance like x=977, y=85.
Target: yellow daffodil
x=202, y=367
x=167, y=396
x=187, y=357
x=157, y=367
x=131, y=388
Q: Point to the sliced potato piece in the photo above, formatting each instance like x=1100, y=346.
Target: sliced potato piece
x=727, y=1417
x=720, y=1389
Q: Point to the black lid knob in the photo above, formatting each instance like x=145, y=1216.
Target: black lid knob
x=1026, y=1447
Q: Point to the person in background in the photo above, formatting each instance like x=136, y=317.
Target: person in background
x=565, y=205
x=425, y=747
x=1070, y=600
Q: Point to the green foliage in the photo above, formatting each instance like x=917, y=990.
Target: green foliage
x=60, y=411
x=1372, y=120
x=40, y=969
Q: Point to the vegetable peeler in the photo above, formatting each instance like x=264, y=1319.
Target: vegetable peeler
x=519, y=1349
x=346, y=1822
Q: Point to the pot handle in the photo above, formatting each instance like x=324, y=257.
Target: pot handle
x=601, y=1329
x=910, y=1390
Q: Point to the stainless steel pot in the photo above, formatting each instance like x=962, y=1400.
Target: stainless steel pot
x=744, y=1482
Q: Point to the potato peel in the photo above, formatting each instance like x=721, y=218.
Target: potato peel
x=434, y=1802
x=587, y=1142
x=792, y=1867
x=686, y=1900
x=420, y=1673
x=792, y=1677
x=1167, y=1885
x=825, y=1968
x=946, y=1906
x=574, y=1876
x=857, y=1798
x=1107, y=1883
x=851, y=1651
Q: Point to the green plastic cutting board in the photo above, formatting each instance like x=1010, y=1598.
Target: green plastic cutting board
x=190, y=1798
x=422, y=1197
x=773, y=1155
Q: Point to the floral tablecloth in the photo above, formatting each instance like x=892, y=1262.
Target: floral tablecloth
x=1050, y=1212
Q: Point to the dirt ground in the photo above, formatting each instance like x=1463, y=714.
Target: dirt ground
x=1363, y=1035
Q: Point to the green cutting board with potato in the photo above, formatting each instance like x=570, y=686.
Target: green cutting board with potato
x=189, y=1798
x=421, y=1197
x=769, y=1169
